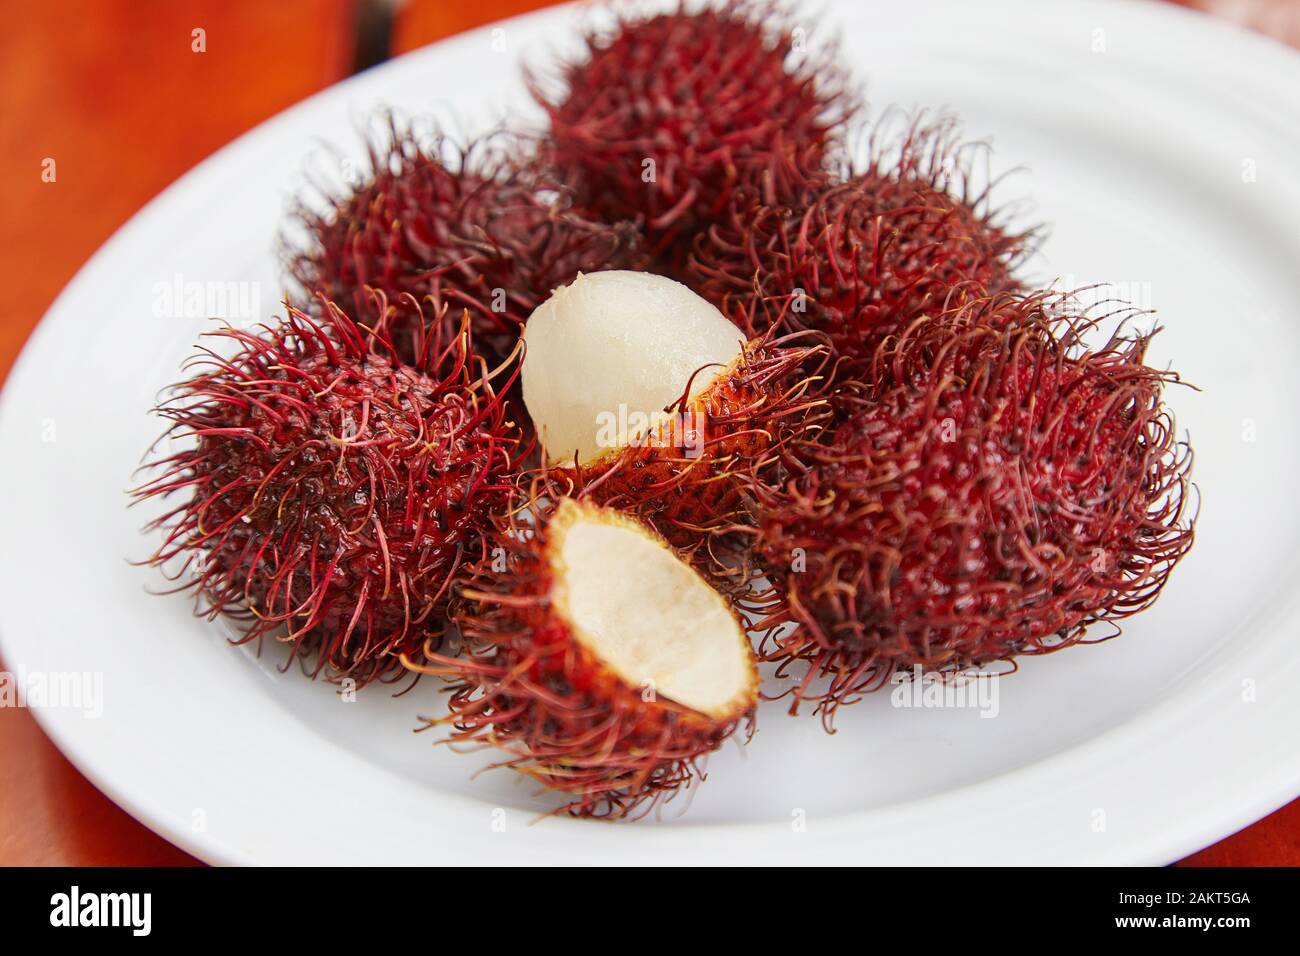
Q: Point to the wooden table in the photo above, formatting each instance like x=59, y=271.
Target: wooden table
x=115, y=94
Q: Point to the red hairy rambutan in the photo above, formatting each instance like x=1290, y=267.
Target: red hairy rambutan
x=597, y=659
x=465, y=226
x=861, y=255
x=687, y=490
x=1000, y=491
x=667, y=114
x=647, y=398
x=329, y=493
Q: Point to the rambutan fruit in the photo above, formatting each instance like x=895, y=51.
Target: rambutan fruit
x=597, y=659
x=667, y=113
x=645, y=397
x=328, y=492
x=1001, y=491
x=467, y=227
x=862, y=254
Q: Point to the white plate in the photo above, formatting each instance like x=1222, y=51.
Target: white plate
x=1162, y=147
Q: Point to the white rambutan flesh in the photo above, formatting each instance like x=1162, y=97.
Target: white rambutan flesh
x=646, y=614
x=611, y=352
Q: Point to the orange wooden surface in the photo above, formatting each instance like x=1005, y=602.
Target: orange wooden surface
x=423, y=22
x=114, y=94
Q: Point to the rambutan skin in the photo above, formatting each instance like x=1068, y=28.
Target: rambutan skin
x=1000, y=491
x=466, y=227
x=864, y=252
x=560, y=714
x=688, y=478
x=329, y=493
x=666, y=115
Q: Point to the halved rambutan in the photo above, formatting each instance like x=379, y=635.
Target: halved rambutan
x=1000, y=492
x=859, y=255
x=469, y=227
x=667, y=114
x=329, y=493
x=597, y=659
x=645, y=397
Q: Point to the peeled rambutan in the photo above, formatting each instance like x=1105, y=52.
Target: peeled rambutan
x=861, y=255
x=667, y=114
x=645, y=397
x=468, y=227
x=597, y=659
x=329, y=493
x=1001, y=491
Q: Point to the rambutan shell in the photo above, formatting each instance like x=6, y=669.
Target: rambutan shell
x=690, y=487
x=667, y=113
x=863, y=253
x=598, y=661
x=478, y=227
x=999, y=492
x=327, y=492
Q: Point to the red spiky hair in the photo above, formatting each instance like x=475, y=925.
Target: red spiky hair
x=531, y=686
x=1001, y=491
x=859, y=255
x=328, y=492
x=463, y=225
x=719, y=95
x=691, y=487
